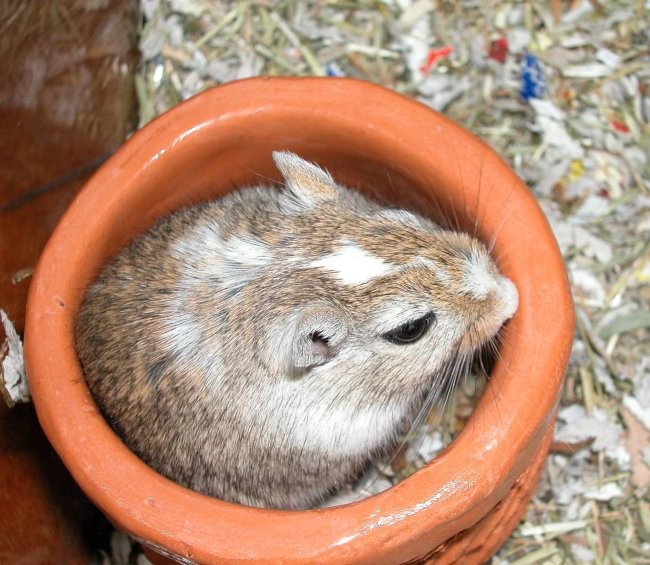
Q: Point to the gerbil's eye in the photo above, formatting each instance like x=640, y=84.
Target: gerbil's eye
x=411, y=331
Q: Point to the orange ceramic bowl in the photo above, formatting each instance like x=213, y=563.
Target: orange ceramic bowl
x=464, y=503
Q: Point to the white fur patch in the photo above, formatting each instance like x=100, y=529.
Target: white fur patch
x=239, y=260
x=312, y=420
x=509, y=297
x=233, y=261
x=204, y=255
x=201, y=241
x=206, y=244
x=247, y=251
x=353, y=265
x=478, y=281
x=345, y=430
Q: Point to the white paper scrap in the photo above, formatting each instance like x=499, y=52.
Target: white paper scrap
x=13, y=383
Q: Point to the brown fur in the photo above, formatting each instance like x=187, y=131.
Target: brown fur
x=228, y=369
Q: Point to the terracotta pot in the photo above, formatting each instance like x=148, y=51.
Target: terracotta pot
x=464, y=503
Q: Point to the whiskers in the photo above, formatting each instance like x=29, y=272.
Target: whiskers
x=434, y=409
x=445, y=407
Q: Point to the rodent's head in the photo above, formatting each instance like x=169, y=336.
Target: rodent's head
x=357, y=294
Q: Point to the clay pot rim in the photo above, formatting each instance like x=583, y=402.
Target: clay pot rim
x=166, y=515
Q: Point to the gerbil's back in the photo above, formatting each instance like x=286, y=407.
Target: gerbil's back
x=149, y=338
x=263, y=347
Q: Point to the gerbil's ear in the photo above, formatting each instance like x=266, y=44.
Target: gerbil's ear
x=307, y=184
x=318, y=334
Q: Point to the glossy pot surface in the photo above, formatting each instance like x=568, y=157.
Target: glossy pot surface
x=467, y=500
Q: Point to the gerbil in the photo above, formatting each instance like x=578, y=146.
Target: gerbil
x=262, y=348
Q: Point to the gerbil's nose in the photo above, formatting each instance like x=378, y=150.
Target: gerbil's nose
x=509, y=298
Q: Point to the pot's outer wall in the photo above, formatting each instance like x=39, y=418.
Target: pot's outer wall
x=363, y=134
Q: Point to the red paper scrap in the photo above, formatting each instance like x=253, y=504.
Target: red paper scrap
x=499, y=49
x=434, y=56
